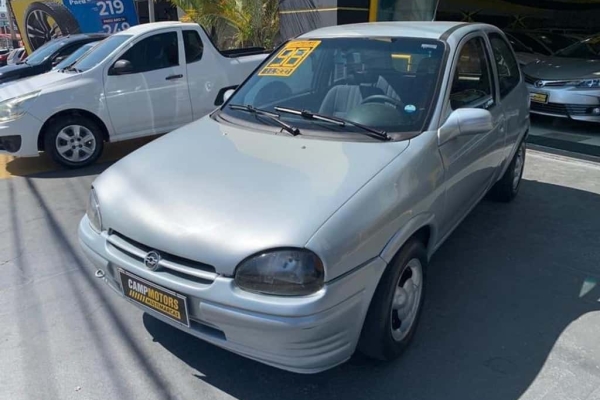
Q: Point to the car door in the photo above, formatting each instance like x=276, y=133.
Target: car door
x=153, y=97
x=512, y=99
x=471, y=161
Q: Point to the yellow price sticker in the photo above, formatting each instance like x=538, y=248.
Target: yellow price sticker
x=289, y=58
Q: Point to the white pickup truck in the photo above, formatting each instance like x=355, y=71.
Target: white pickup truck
x=146, y=80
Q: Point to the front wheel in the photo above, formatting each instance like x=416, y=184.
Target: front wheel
x=74, y=141
x=396, y=306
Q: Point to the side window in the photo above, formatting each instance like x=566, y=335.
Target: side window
x=64, y=53
x=472, y=83
x=508, y=68
x=193, y=46
x=156, y=52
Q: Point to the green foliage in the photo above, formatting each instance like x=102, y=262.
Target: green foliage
x=235, y=23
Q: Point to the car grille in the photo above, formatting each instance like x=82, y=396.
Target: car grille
x=174, y=265
x=550, y=108
x=562, y=109
x=547, y=83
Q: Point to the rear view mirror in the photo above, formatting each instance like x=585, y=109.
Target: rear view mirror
x=465, y=122
x=121, y=67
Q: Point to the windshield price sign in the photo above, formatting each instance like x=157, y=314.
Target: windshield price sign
x=42, y=20
x=289, y=58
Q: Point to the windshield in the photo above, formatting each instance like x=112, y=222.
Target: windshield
x=104, y=48
x=75, y=55
x=588, y=49
x=385, y=83
x=553, y=41
x=42, y=54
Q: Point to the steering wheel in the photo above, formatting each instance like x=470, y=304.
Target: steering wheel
x=380, y=98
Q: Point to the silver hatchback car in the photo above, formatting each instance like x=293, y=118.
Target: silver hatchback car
x=294, y=224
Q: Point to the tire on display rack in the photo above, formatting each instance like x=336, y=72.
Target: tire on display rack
x=45, y=21
x=73, y=141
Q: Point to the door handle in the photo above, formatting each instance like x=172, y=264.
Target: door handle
x=171, y=77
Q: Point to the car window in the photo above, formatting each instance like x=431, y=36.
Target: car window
x=66, y=51
x=554, y=42
x=509, y=74
x=472, y=82
x=42, y=53
x=532, y=43
x=518, y=46
x=154, y=53
x=193, y=46
x=75, y=56
x=586, y=49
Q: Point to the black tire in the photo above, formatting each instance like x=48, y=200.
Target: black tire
x=37, y=28
x=58, y=125
x=376, y=339
x=505, y=190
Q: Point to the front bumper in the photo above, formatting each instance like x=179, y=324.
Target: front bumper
x=19, y=137
x=300, y=334
x=567, y=102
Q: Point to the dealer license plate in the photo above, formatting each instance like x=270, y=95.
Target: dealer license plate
x=164, y=301
x=539, y=97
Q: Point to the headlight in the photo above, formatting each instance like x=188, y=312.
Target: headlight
x=93, y=212
x=586, y=83
x=289, y=272
x=14, y=108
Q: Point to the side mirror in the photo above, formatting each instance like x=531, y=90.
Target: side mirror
x=465, y=122
x=227, y=94
x=121, y=67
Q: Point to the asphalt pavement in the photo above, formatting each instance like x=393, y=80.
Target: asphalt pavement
x=512, y=309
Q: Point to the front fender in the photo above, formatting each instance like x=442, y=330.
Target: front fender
x=426, y=220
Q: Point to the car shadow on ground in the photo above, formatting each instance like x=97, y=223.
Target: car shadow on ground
x=44, y=167
x=500, y=292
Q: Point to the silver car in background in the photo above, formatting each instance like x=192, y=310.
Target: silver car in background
x=295, y=224
x=567, y=84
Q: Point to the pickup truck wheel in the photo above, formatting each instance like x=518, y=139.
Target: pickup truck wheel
x=396, y=306
x=508, y=186
x=74, y=141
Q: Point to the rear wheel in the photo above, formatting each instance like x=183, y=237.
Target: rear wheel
x=396, y=306
x=74, y=141
x=508, y=186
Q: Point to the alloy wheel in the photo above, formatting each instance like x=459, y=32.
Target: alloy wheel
x=75, y=143
x=407, y=299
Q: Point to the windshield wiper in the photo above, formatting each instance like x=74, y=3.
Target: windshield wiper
x=372, y=132
x=292, y=130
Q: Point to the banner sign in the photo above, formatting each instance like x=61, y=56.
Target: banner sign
x=41, y=21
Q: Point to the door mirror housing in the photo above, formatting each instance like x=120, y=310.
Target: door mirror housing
x=227, y=94
x=121, y=67
x=465, y=122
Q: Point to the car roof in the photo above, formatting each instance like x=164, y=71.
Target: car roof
x=417, y=29
x=82, y=36
x=149, y=27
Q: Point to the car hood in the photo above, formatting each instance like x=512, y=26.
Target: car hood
x=39, y=82
x=561, y=68
x=217, y=194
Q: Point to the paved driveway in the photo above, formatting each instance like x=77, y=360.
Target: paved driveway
x=511, y=309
